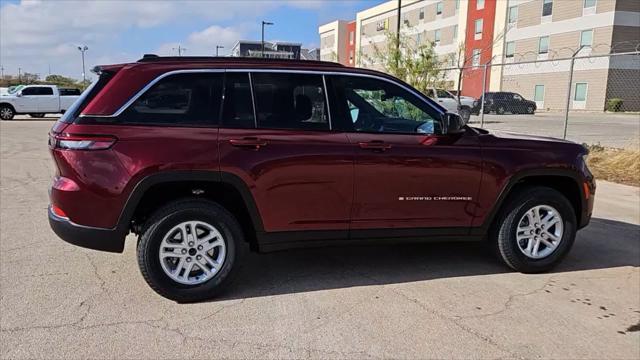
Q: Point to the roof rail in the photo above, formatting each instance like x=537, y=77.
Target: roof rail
x=150, y=58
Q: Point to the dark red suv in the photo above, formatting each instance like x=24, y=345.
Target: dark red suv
x=203, y=158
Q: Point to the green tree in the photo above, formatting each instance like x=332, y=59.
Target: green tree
x=407, y=59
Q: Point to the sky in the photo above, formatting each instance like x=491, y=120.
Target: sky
x=42, y=36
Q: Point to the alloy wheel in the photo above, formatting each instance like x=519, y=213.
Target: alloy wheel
x=6, y=113
x=192, y=252
x=539, y=231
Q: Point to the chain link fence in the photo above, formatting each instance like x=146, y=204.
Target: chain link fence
x=585, y=97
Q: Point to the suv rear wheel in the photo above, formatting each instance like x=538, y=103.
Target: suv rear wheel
x=535, y=230
x=189, y=250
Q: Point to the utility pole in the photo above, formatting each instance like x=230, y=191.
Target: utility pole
x=218, y=47
x=566, y=109
x=180, y=49
x=1, y=72
x=19, y=74
x=82, y=49
x=263, y=24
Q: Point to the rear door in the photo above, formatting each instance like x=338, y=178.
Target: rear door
x=282, y=146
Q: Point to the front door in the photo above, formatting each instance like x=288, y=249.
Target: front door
x=299, y=172
x=407, y=174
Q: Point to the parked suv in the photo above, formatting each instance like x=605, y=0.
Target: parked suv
x=502, y=102
x=203, y=158
x=449, y=101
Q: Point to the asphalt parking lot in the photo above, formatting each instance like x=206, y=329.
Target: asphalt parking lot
x=409, y=301
x=607, y=129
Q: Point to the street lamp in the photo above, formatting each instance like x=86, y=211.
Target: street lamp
x=82, y=49
x=263, y=24
x=218, y=47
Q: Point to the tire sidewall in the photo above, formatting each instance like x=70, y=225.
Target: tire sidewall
x=150, y=246
x=508, y=245
x=8, y=108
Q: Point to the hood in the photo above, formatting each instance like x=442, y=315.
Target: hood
x=517, y=136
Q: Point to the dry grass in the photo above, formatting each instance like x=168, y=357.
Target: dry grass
x=617, y=165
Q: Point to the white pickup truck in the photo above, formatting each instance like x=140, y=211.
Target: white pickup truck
x=449, y=101
x=36, y=100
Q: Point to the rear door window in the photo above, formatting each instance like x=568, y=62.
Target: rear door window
x=180, y=99
x=237, y=109
x=290, y=101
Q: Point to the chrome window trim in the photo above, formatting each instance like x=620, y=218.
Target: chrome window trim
x=326, y=99
x=253, y=102
x=135, y=97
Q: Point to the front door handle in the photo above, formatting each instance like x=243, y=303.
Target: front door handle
x=248, y=142
x=375, y=145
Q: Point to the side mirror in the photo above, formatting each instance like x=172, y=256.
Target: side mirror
x=19, y=93
x=453, y=123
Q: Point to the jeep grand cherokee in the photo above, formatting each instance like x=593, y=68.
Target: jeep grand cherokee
x=204, y=158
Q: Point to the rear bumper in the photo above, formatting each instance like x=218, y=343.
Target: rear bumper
x=101, y=239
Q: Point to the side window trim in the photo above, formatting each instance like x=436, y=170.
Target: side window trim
x=253, y=101
x=326, y=99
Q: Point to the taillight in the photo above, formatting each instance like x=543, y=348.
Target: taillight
x=81, y=142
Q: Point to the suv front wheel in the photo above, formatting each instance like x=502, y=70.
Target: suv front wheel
x=189, y=250
x=535, y=230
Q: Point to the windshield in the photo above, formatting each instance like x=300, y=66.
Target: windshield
x=14, y=89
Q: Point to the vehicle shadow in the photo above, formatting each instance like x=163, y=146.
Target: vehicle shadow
x=603, y=244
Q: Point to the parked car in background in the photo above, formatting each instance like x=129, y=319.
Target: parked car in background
x=36, y=100
x=502, y=102
x=204, y=158
x=449, y=101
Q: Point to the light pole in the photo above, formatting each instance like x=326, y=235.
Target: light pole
x=1, y=72
x=263, y=24
x=82, y=49
x=180, y=49
x=218, y=47
x=19, y=74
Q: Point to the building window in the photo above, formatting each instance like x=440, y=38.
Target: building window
x=439, y=8
x=478, y=27
x=351, y=56
x=421, y=15
x=538, y=93
x=589, y=4
x=581, y=92
x=513, y=14
x=476, y=57
x=510, y=49
x=436, y=36
x=457, y=5
x=455, y=32
x=382, y=25
x=547, y=7
x=479, y=4
x=351, y=36
x=586, y=38
x=418, y=38
x=543, y=45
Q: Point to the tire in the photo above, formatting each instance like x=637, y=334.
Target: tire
x=530, y=110
x=37, y=115
x=503, y=234
x=160, y=226
x=500, y=110
x=465, y=114
x=6, y=112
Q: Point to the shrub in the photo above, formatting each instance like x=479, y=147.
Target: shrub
x=614, y=104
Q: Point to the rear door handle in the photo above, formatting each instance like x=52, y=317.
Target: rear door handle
x=249, y=142
x=375, y=145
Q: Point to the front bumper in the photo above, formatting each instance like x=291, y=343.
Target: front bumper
x=110, y=240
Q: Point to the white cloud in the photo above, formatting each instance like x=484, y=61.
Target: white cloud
x=35, y=34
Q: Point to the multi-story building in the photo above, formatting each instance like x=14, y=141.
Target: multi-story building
x=275, y=50
x=539, y=30
x=496, y=32
x=334, y=42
